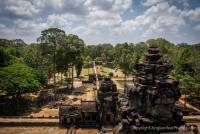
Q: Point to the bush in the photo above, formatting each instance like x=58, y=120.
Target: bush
x=110, y=74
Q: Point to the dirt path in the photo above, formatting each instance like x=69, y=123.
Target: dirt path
x=90, y=94
x=128, y=78
x=192, y=118
x=44, y=130
x=96, y=74
x=45, y=112
x=28, y=120
x=188, y=105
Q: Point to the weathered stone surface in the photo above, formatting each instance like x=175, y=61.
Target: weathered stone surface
x=153, y=95
x=150, y=102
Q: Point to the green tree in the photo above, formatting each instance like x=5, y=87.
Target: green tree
x=50, y=40
x=42, y=63
x=125, y=57
x=8, y=56
x=77, y=47
x=186, y=69
x=141, y=49
x=104, y=51
x=88, y=63
x=167, y=49
x=5, y=57
x=16, y=46
x=17, y=79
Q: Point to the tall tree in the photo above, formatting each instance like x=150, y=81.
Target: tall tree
x=42, y=63
x=88, y=63
x=51, y=38
x=125, y=57
x=77, y=47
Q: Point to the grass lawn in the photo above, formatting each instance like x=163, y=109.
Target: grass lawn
x=102, y=70
x=122, y=82
x=106, y=71
x=86, y=70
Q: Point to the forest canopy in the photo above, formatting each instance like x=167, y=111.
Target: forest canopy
x=27, y=67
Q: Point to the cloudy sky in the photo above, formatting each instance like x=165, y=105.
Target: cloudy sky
x=103, y=21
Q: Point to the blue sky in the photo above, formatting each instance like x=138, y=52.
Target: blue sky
x=103, y=21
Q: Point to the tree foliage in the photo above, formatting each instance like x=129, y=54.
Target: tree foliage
x=17, y=79
x=125, y=57
x=65, y=50
x=102, y=51
x=185, y=58
x=76, y=53
x=42, y=64
x=56, y=48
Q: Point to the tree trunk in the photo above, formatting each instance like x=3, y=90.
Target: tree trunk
x=125, y=79
x=72, y=76
x=67, y=78
x=61, y=78
x=54, y=71
x=185, y=101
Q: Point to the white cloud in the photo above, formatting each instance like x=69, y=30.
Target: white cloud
x=185, y=3
x=79, y=17
x=7, y=33
x=109, y=5
x=151, y=2
x=99, y=18
x=106, y=13
x=194, y=14
x=21, y=7
x=101, y=15
x=122, y=5
x=197, y=27
x=167, y=24
x=29, y=26
x=158, y=18
x=99, y=4
x=2, y=26
x=63, y=20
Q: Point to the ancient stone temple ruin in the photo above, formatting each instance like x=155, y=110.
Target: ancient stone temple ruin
x=107, y=99
x=83, y=115
x=152, y=97
x=95, y=113
x=147, y=105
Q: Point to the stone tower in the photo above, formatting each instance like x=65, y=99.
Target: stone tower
x=107, y=97
x=153, y=96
